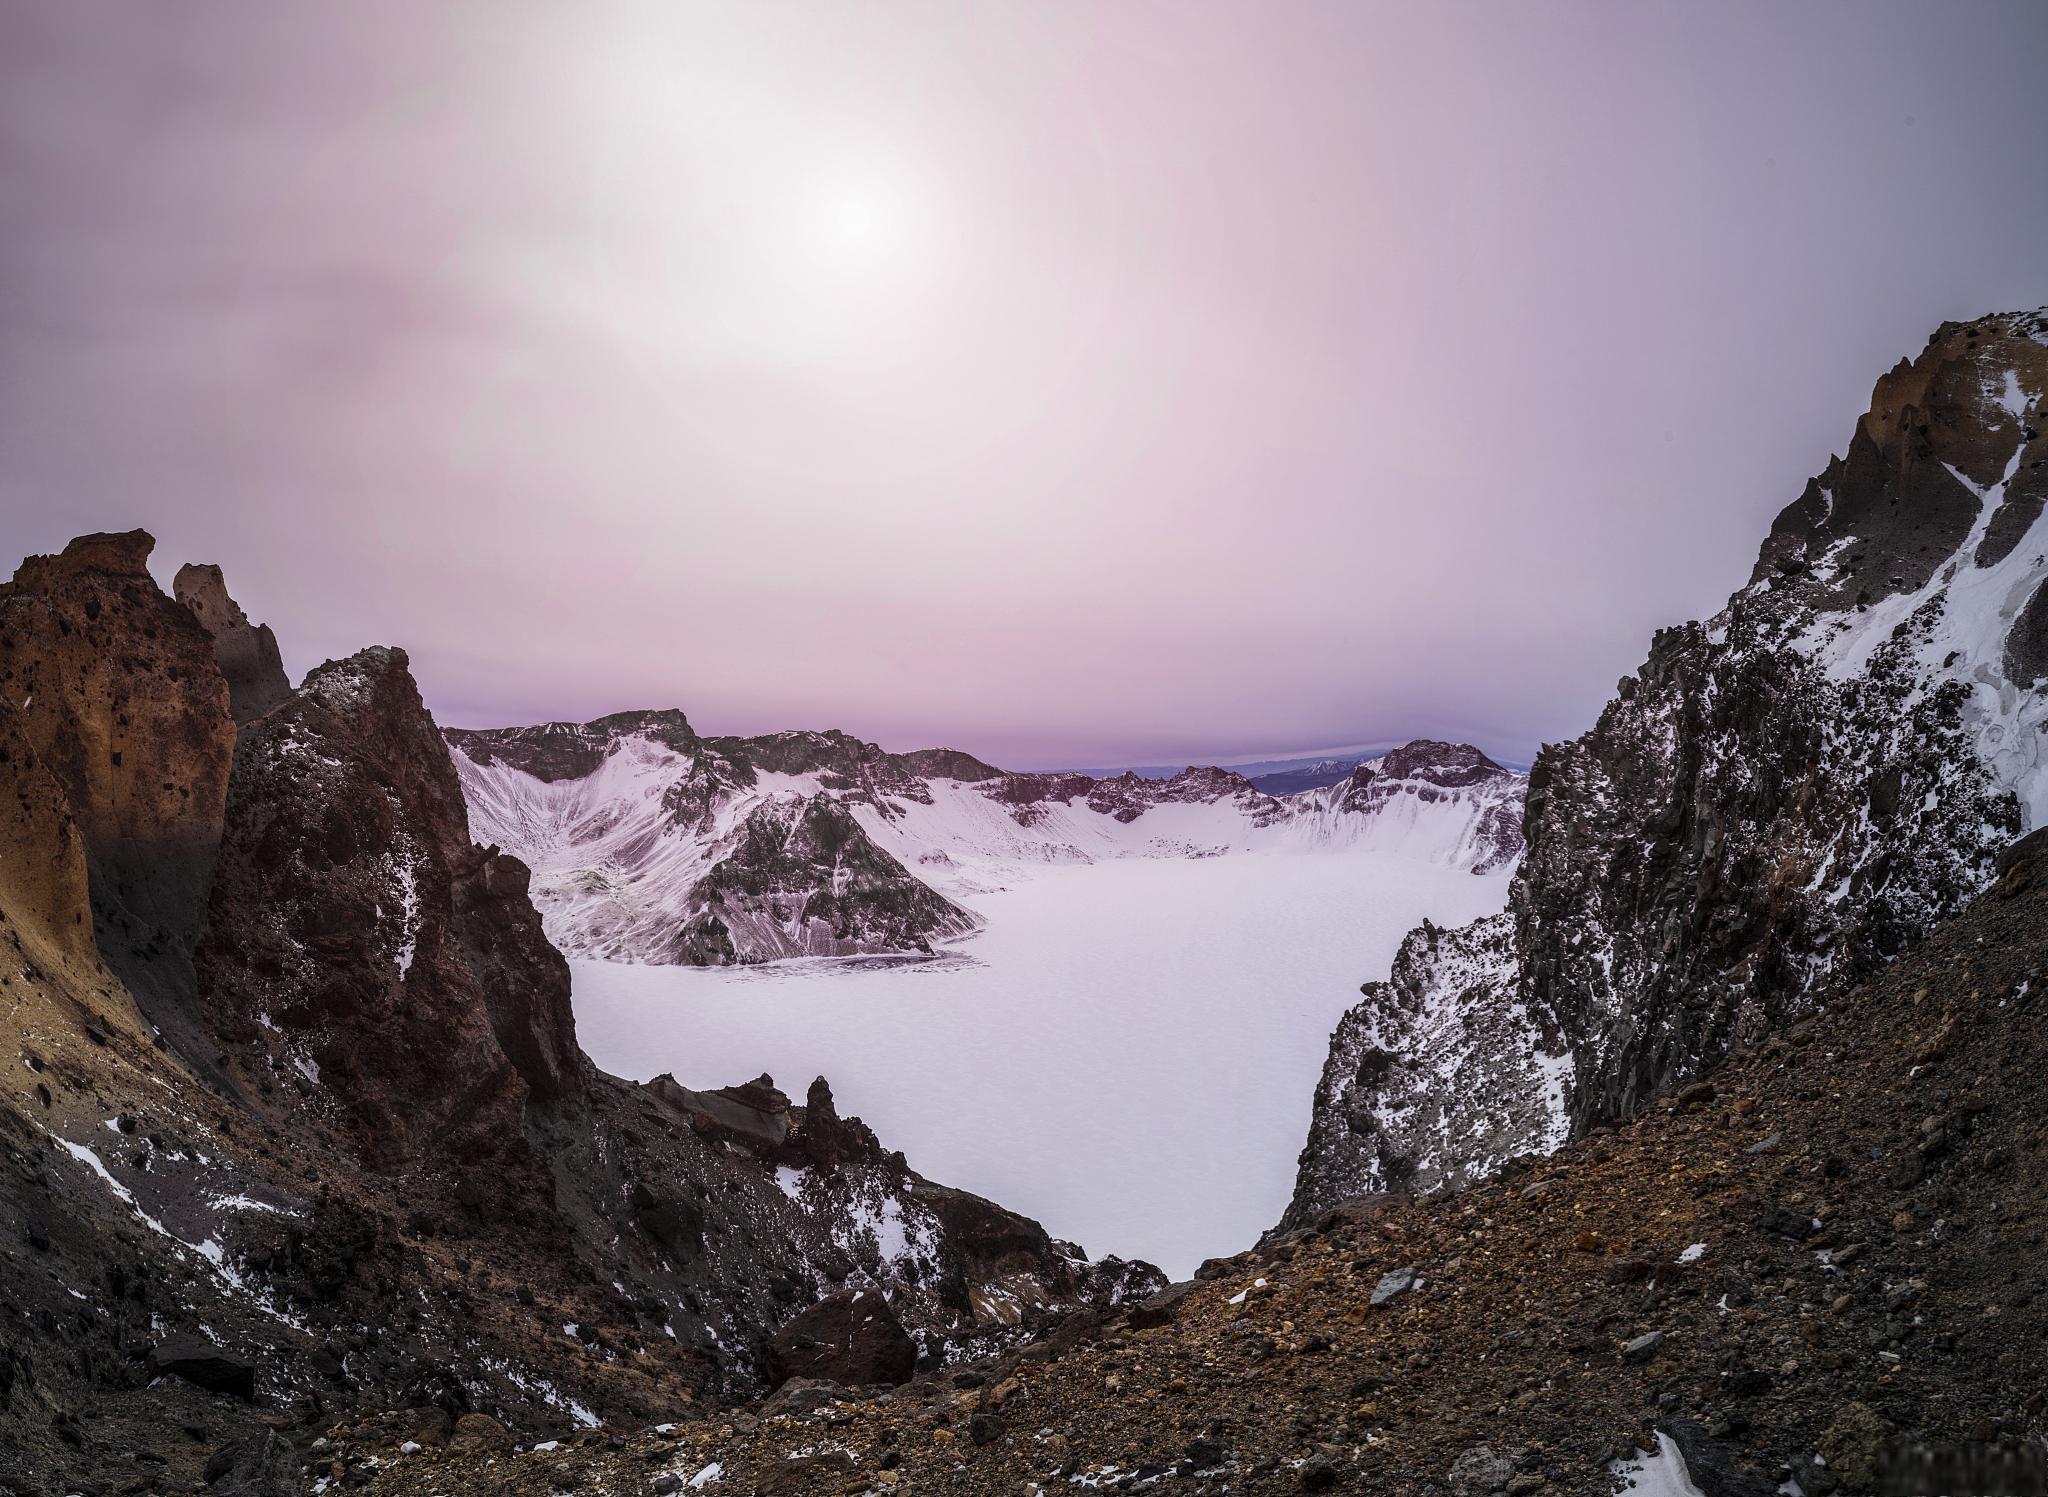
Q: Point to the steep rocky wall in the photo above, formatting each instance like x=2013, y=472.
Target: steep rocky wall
x=246, y=653
x=360, y=948
x=1774, y=805
x=43, y=881
x=116, y=690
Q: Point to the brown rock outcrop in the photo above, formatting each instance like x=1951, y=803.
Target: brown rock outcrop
x=247, y=653
x=115, y=689
x=43, y=889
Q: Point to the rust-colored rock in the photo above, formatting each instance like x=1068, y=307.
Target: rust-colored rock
x=43, y=888
x=115, y=688
x=247, y=653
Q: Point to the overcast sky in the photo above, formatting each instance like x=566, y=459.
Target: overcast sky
x=1074, y=383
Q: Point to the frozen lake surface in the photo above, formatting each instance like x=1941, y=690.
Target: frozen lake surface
x=1126, y=1053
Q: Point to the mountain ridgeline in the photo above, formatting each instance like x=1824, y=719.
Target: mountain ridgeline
x=1779, y=802
x=650, y=843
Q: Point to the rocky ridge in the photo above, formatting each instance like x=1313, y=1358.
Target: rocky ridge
x=1776, y=804
x=340, y=1151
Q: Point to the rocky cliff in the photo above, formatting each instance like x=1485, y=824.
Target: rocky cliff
x=1777, y=803
x=360, y=949
x=349, y=1158
x=116, y=692
x=246, y=652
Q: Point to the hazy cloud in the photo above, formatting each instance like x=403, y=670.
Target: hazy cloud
x=1068, y=382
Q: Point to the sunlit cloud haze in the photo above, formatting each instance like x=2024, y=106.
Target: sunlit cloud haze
x=1075, y=383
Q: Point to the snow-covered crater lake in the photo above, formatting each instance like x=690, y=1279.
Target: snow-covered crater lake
x=1126, y=1053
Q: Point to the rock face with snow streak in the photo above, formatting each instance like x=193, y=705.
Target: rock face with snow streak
x=361, y=949
x=1773, y=806
x=649, y=843
x=802, y=878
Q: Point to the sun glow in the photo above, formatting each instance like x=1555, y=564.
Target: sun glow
x=861, y=220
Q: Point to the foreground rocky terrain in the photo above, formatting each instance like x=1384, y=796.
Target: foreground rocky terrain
x=1823, y=1263
x=650, y=843
x=296, y=1120
x=1775, y=805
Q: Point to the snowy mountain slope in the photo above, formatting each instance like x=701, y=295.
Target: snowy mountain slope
x=629, y=856
x=648, y=843
x=1774, y=806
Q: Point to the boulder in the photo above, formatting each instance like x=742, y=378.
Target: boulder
x=1161, y=1308
x=1393, y=1284
x=262, y=1464
x=198, y=1361
x=852, y=1338
x=479, y=1433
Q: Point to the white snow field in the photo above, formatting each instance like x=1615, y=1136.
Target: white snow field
x=1126, y=1052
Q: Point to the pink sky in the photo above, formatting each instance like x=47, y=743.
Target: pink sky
x=1073, y=383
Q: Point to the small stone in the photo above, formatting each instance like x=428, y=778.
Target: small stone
x=1480, y=1470
x=1398, y=1282
x=1318, y=1473
x=1643, y=1347
x=1852, y=1443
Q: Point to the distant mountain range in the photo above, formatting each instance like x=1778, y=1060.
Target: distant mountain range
x=651, y=843
x=1279, y=776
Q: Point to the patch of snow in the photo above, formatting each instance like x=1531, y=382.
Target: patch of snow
x=1658, y=1473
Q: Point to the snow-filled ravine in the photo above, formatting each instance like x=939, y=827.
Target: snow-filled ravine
x=1127, y=1052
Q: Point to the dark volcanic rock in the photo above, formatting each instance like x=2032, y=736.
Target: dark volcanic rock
x=852, y=1338
x=359, y=937
x=1159, y=1309
x=1776, y=805
x=200, y=1362
x=259, y=1465
x=1714, y=1468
